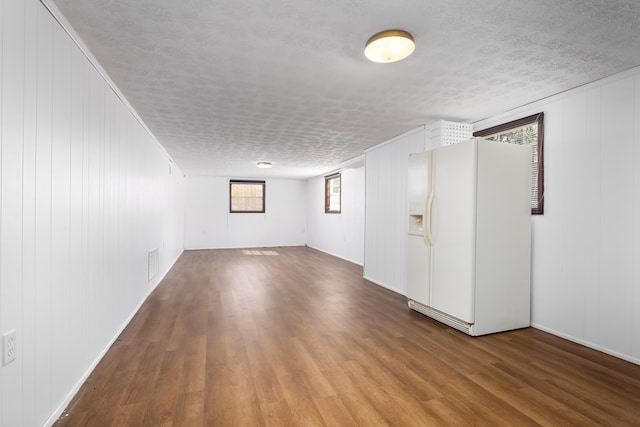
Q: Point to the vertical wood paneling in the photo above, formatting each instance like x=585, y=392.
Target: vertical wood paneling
x=12, y=111
x=84, y=261
x=572, y=209
x=2, y=15
x=386, y=206
x=29, y=315
x=617, y=219
x=109, y=285
x=592, y=178
x=77, y=215
x=357, y=187
x=117, y=119
x=635, y=323
x=94, y=229
x=60, y=226
x=131, y=215
x=75, y=208
x=44, y=310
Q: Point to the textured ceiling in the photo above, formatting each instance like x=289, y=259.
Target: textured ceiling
x=223, y=84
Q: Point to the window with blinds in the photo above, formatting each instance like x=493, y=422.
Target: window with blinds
x=332, y=193
x=526, y=131
x=246, y=196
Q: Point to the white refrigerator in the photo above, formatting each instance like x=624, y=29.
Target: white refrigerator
x=469, y=235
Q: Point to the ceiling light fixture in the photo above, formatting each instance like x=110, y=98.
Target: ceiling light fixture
x=389, y=46
x=264, y=165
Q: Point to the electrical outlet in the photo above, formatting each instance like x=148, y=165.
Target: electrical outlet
x=9, y=347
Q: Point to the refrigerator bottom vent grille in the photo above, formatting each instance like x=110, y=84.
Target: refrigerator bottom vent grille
x=458, y=324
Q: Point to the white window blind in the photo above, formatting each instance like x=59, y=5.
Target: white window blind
x=246, y=196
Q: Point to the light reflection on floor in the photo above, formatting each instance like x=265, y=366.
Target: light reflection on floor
x=252, y=252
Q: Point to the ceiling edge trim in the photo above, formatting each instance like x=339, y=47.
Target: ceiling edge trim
x=395, y=138
x=57, y=15
x=353, y=163
x=490, y=121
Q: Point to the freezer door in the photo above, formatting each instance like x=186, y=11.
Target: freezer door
x=418, y=249
x=453, y=214
x=417, y=182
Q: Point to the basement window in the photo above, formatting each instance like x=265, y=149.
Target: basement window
x=526, y=131
x=246, y=196
x=332, y=193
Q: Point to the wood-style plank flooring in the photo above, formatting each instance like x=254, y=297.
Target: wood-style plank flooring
x=300, y=339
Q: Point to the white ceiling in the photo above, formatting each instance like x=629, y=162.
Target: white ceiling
x=223, y=84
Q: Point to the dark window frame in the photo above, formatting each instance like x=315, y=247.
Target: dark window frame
x=539, y=118
x=251, y=182
x=327, y=193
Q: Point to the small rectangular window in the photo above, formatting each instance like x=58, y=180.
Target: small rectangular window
x=332, y=193
x=525, y=131
x=246, y=196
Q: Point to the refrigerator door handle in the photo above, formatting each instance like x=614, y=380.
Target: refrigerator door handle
x=426, y=234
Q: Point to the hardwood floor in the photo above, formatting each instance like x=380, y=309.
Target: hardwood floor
x=300, y=339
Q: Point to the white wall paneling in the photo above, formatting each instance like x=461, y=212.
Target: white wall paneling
x=386, y=209
x=29, y=359
x=87, y=192
x=617, y=219
x=209, y=225
x=635, y=322
x=340, y=234
x=11, y=200
x=586, y=247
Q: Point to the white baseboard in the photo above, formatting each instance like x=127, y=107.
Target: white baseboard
x=335, y=255
x=212, y=248
x=587, y=344
x=384, y=285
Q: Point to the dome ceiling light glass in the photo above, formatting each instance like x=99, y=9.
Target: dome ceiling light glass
x=389, y=46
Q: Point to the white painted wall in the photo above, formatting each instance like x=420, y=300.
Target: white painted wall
x=340, y=234
x=209, y=225
x=386, y=209
x=586, y=246
x=85, y=194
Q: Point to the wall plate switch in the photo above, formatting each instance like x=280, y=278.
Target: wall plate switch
x=9, y=347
